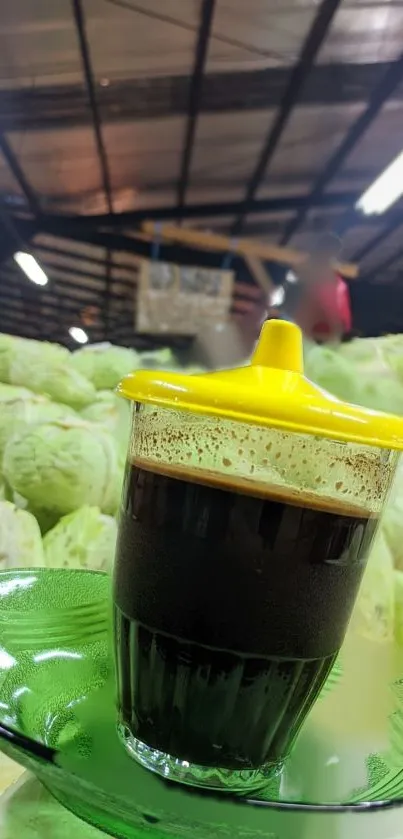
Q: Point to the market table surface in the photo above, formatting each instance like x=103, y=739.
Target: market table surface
x=28, y=811
x=9, y=772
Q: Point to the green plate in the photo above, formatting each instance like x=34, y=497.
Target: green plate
x=57, y=718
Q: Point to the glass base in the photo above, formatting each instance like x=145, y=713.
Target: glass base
x=243, y=781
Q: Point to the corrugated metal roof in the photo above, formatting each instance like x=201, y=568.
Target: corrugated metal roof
x=177, y=103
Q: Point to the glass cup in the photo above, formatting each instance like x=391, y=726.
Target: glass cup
x=240, y=553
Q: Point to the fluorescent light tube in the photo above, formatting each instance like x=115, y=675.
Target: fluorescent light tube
x=78, y=334
x=384, y=191
x=31, y=268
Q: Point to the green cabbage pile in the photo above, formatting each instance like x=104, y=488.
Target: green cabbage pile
x=85, y=538
x=104, y=365
x=63, y=441
x=60, y=466
x=20, y=538
x=369, y=372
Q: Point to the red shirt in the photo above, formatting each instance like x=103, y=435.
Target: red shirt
x=326, y=304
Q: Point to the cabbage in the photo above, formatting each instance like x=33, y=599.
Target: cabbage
x=8, y=393
x=83, y=539
x=396, y=364
x=46, y=518
x=362, y=350
x=369, y=353
x=61, y=466
x=374, y=610
x=17, y=415
x=47, y=369
x=193, y=369
x=162, y=358
x=113, y=413
x=331, y=371
x=356, y=371
x=398, y=582
x=367, y=372
x=41, y=352
x=104, y=365
x=7, y=346
x=379, y=393
x=392, y=528
x=20, y=538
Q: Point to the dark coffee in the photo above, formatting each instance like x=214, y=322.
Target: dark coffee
x=231, y=603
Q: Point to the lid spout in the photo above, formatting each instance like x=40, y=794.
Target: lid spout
x=280, y=346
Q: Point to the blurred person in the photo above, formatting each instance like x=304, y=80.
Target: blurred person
x=318, y=299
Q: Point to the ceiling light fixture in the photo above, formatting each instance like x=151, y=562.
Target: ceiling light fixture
x=384, y=191
x=78, y=334
x=31, y=268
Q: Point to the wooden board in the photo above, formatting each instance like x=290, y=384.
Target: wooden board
x=245, y=247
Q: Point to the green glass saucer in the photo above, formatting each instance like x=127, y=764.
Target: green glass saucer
x=57, y=718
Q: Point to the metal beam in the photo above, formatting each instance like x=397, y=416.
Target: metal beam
x=205, y=240
x=29, y=310
x=11, y=312
x=168, y=253
x=378, y=240
x=56, y=267
x=60, y=224
x=297, y=79
x=12, y=238
x=67, y=291
x=17, y=172
x=275, y=227
x=40, y=107
x=256, y=228
x=11, y=303
x=108, y=294
x=195, y=93
x=56, y=304
x=79, y=19
x=351, y=217
x=81, y=257
x=384, y=265
x=17, y=326
x=391, y=80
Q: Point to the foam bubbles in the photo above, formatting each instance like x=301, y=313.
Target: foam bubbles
x=327, y=469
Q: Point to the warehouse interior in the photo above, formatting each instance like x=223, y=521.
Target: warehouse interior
x=201, y=419
x=264, y=120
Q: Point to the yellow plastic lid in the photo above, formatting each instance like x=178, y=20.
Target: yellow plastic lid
x=271, y=391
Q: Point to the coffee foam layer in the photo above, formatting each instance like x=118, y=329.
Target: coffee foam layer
x=329, y=473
